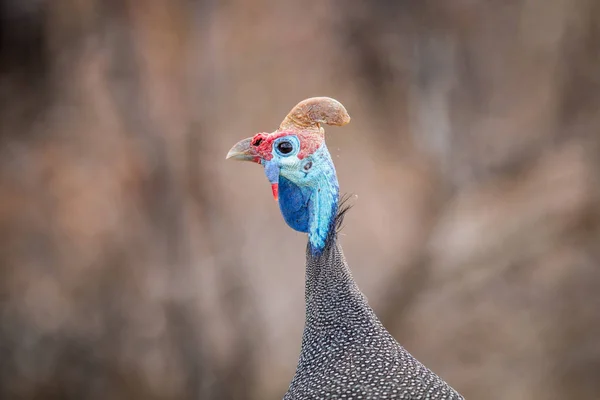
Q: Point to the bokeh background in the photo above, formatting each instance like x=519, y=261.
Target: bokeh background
x=136, y=263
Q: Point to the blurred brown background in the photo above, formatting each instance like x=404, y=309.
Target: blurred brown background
x=135, y=263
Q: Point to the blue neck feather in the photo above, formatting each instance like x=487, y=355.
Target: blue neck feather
x=312, y=208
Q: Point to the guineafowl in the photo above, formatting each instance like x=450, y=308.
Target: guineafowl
x=346, y=352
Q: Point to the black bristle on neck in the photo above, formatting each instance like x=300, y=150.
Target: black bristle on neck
x=343, y=208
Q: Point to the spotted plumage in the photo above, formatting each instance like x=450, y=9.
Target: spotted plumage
x=346, y=352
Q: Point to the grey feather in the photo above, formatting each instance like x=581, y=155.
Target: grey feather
x=346, y=352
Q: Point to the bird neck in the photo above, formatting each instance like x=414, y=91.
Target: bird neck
x=326, y=270
x=312, y=208
x=332, y=296
x=322, y=207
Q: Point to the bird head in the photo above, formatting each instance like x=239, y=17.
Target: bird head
x=299, y=166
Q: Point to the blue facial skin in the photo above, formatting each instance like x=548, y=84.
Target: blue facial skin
x=308, y=190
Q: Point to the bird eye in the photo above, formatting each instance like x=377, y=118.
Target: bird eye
x=285, y=147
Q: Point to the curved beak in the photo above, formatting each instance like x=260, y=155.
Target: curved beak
x=243, y=151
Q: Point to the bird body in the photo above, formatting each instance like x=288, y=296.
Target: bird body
x=346, y=352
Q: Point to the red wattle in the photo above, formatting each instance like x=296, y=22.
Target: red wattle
x=275, y=189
